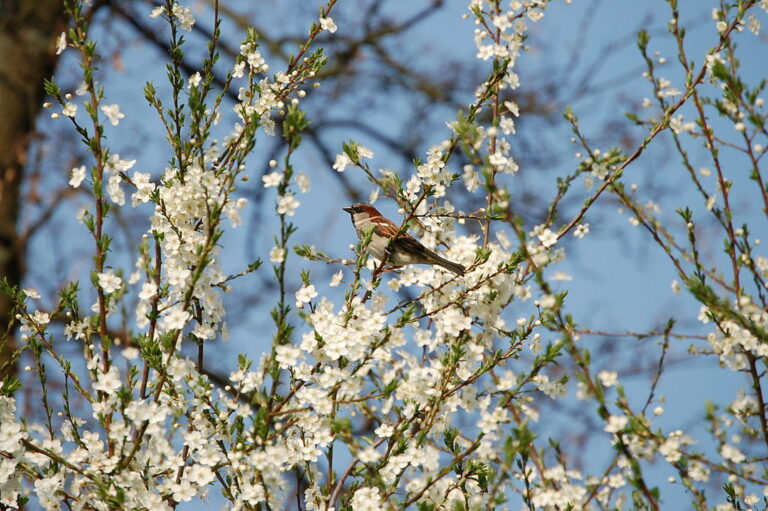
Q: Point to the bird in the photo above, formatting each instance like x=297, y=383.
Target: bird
x=404, y=250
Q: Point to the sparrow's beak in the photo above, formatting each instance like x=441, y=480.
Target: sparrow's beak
x=348, y=210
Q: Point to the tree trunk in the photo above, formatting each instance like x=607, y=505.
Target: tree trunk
x=28, y=31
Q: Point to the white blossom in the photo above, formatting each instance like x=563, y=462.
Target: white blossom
x=272, y=179
x=305, y=294
x=336, y=279
x=109, y=282
x=328, y=24
x=616, y=423
x=70, y=110
x=148, y=290
x=108, y=382
x=195, y=79
x=384, y=431
x=287, y=204
x=608, y=378
x=76, y=176
x=303, y=181
x=32, y=293
x=175, y=319
x=287, y=355
x=581, y=230
x=114, y=190
x=342, y=162
x=366, y=499
x=547, y=238
x=184, y=15
x=277, y=255
x=61, y=43
x=113, y=113
x=732, y=454
x=144, y=188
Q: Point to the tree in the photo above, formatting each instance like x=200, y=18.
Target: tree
x=25, y=42
x=430, y=400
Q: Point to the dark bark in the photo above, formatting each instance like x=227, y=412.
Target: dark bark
x=28, y=31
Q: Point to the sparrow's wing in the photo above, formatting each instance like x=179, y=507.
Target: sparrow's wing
x=408, y=243
x=384, y=227
x=405, y=242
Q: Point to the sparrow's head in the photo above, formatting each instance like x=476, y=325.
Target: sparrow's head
x=362, y=209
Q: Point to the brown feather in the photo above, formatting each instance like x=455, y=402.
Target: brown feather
x=384, y=227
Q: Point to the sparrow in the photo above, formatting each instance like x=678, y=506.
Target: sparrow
x=403, y=250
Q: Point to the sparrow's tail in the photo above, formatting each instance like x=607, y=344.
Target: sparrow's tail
x=449, y=265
